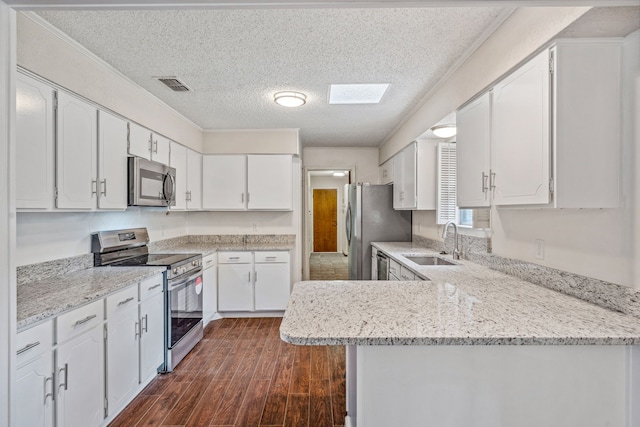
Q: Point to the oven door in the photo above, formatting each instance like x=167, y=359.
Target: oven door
x=185, y=305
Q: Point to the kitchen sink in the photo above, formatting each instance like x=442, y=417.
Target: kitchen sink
x=428, y=260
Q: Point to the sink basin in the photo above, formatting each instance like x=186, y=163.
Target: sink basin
x=428, y=260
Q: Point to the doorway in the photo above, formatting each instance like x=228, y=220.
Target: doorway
x=325, y=220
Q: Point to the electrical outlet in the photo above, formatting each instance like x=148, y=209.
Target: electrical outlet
x=539, y=249
x=255, y=227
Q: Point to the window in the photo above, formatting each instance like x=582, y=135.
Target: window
x=465, y=217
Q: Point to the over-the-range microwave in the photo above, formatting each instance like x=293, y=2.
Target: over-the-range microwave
x=151, y=183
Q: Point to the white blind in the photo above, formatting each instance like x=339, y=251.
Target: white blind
x=447, y=209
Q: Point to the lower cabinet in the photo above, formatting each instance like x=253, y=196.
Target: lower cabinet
x=152, y=335
x=253, y=281
x=210, y=288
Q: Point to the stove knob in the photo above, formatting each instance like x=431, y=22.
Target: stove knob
x=175, y=271
x=194, y=263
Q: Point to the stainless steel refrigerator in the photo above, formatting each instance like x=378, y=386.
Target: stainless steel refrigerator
x=370, y=218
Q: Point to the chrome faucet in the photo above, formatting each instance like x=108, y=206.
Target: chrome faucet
x=456, y=252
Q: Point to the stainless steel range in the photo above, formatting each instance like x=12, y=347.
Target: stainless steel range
x=182, y=285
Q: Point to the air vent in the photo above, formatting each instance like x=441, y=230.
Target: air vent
x=174, y=84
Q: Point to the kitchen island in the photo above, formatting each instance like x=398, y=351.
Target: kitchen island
x=472, y=347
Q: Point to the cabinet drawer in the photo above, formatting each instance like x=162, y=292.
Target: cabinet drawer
x=151, y=287
x=279, y=256
x=406, y=274
x=122, y=301
x=79, y=320
x=394, y=268
x=34, y=341
x=209, y=261
x=234, y=257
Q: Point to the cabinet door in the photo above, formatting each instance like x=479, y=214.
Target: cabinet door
x=122, y=356
x=272, y=286
x=224, y=182
x=473, y=153
x=386, y=172
x=179, y=161
x=80, y=385
x=35, y=180
x=398, y=177
x=194, y=180
x=152, y=338
x=76, y=166
x=210, y=293
x=408, y=182
x=112, y=162
x=34, y=392
x=160, y=149
x=139, y=141
x=520, y=152
x=270, y=182
x=235, y=288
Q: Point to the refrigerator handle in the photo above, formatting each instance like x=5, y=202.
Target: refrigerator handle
x=348, y=224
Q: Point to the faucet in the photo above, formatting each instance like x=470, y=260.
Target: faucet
x=456, y=252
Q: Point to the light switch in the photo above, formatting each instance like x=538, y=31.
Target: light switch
x=539, y=249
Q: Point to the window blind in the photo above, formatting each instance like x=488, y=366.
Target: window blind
x=446, y=209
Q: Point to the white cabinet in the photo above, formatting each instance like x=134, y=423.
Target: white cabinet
x=194, y=180
x=473, y=153
x=210, y=288
x=248, y=285
x=247, y=182
x=415, y=177
x=112, y=162
x=269, y=182
x=76, y=159
x=386, y=172
x=151, y=327
x=148, y=145
x=80, y=367
x=272, y=280
x=35, y=179
x=179, y=162
x=34, y=385
x=224, y=182
x=123, y=332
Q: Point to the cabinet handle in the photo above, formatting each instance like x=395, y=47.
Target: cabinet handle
x=123, y=302
x=94, y=187
x=66, y=376
x=104, y=187
x=27, y=347
x=248, y=197
x=85, y=320
x=249, y=281
x=154, y=286
x=271, y=257
x=492, y=181
x=155, y=145
x=242, y=197
x=145, y=328
x=46, y=395
x=137, y=330
x=484, y=182
x=234, y=257
x=255, y=276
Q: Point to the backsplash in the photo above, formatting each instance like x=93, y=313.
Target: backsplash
x=605, y=294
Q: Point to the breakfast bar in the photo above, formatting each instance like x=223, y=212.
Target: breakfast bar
x=472, y=347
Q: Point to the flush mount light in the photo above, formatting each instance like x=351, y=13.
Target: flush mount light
x=357, y=93
x=338, y=174
x=444, y=131
x=290, y=98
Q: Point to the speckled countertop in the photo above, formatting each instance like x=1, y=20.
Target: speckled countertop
x=466, y=304
x=209, y=248
x=45, y=298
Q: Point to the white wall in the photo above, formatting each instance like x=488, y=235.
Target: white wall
x=7, y=211
x=363, y=160
x=257, y=141
x=331, y=183
x=51, y=54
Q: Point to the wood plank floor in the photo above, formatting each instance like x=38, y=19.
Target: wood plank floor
x=241, y=374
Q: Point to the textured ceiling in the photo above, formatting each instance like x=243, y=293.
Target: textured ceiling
x=234, y=60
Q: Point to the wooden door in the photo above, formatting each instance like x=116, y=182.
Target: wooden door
x=325, y=220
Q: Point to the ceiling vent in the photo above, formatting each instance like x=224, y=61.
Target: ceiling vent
x=174, y=84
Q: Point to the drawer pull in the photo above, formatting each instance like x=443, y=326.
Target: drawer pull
x=123, y=302
x=209, y=261
x=85, y=320
x=234, y=257
x=27, y=347
x=154, y=286
x=271, y=257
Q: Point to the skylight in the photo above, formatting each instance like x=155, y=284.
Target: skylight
x=357, y=93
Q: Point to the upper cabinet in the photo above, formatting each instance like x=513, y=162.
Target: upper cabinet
x=415, y=177
x=553, y=127
x=386, y=172
x=148, y=145
x=247, y=182
x=112, y=162
x=179, y=162
x=35, y=178
x=194, y=180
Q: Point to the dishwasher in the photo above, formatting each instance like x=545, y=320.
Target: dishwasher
x=383, y=266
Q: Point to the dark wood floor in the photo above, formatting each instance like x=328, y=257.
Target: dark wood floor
x=241, y=374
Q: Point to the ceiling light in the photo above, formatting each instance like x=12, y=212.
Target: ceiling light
x=338, y=174
x=357, y=93
x=444, y=131
x=290, y=99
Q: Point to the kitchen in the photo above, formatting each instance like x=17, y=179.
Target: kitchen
x=567, y=246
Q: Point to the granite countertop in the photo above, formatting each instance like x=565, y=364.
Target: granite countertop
x=465, y=304
x=209, y=248
x=45, y=298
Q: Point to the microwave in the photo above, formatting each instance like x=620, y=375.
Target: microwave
x=151, y=183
